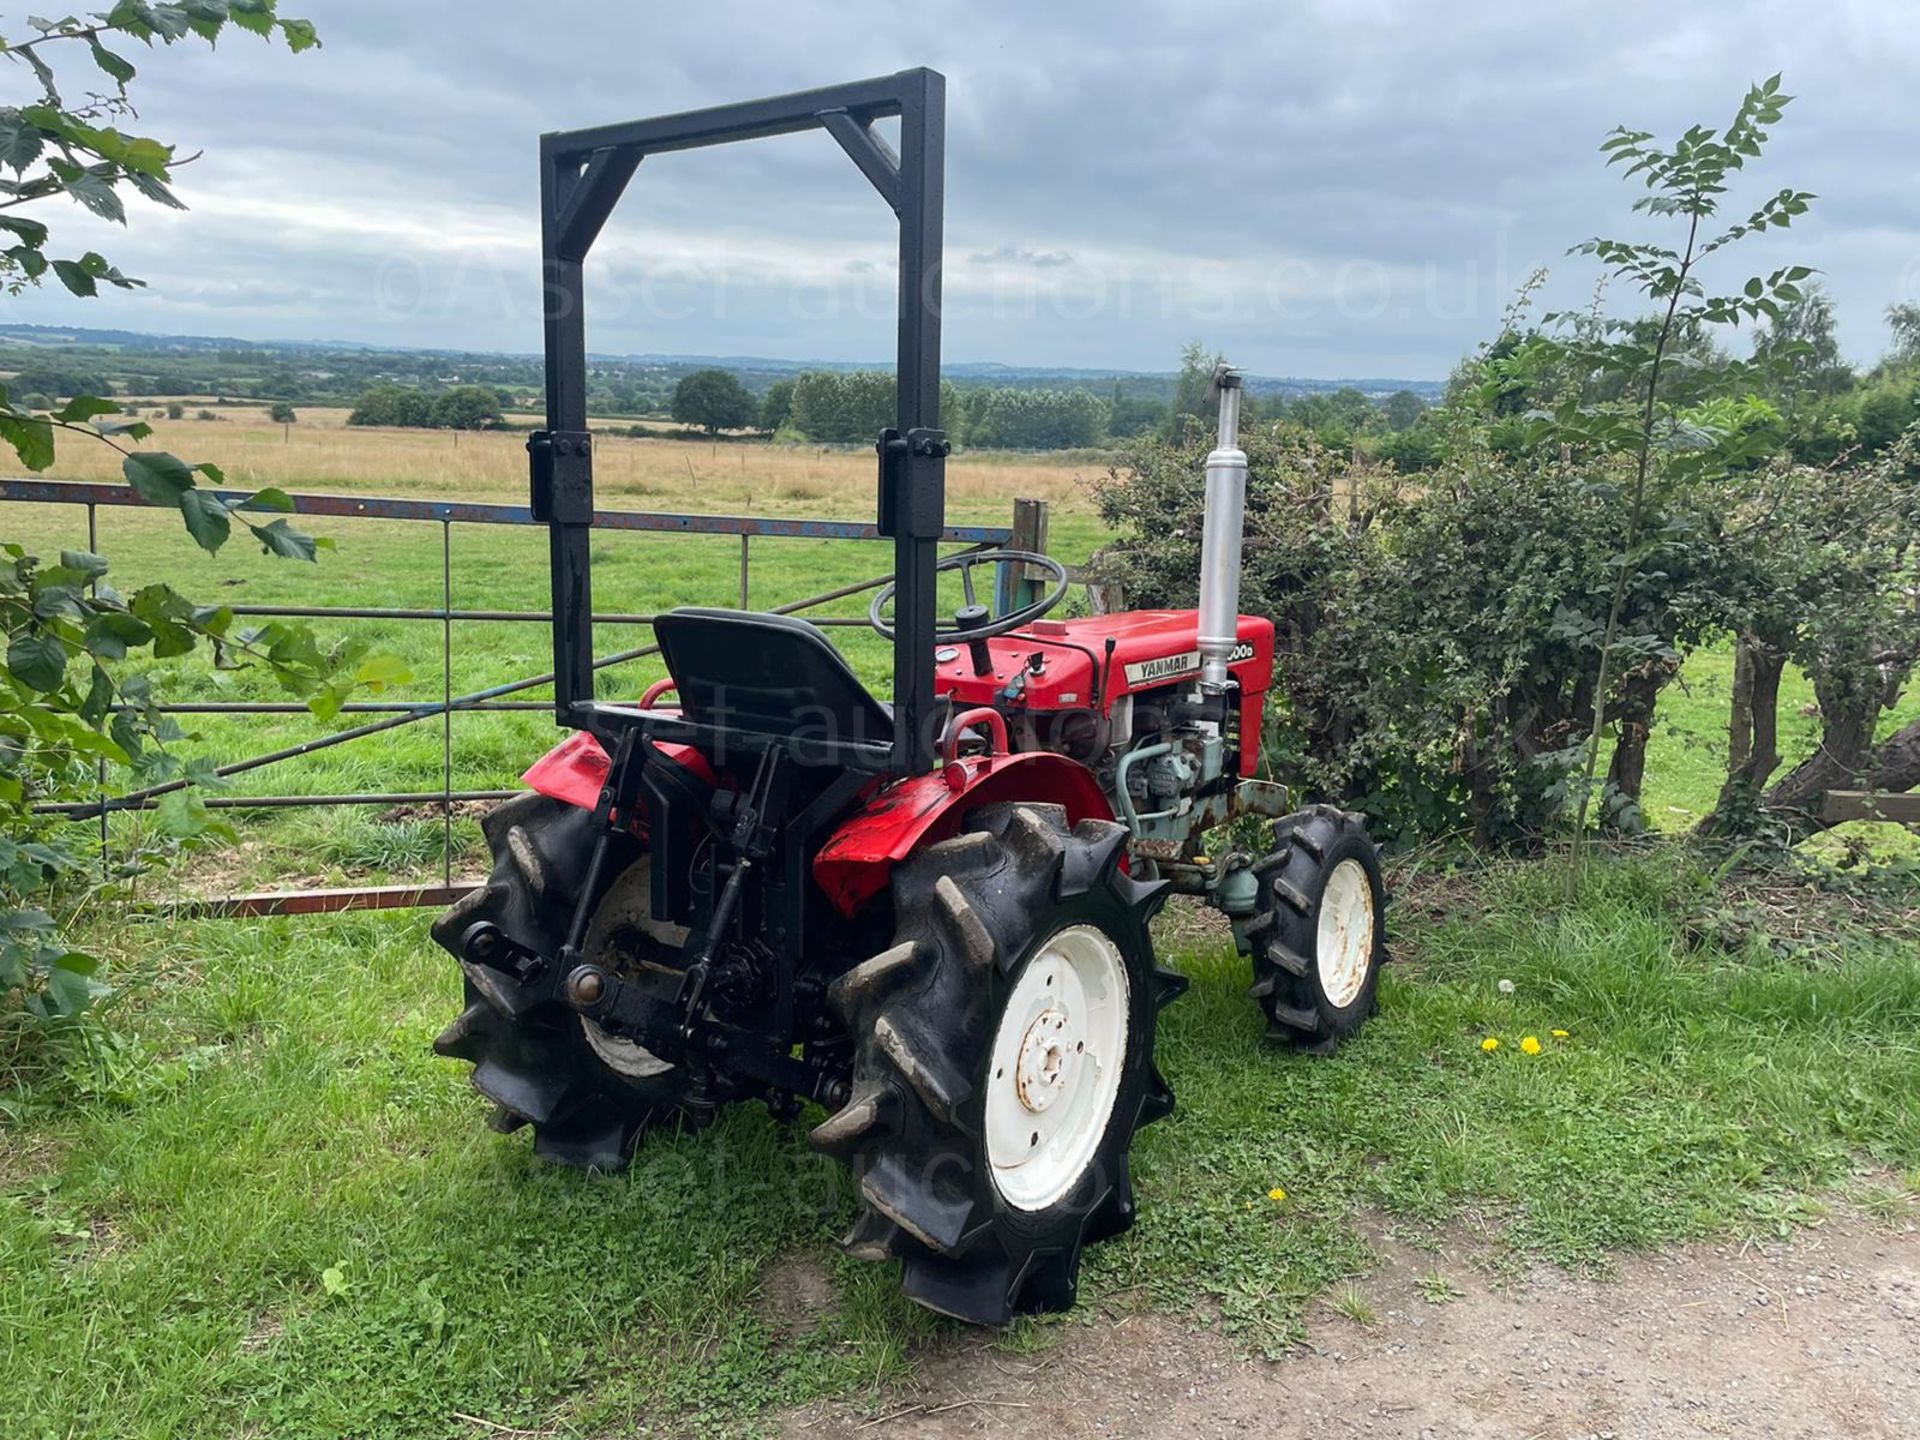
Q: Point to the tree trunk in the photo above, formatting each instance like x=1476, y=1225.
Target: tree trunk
x=1753, y=735
x=1846, y=760
x=1633, y=712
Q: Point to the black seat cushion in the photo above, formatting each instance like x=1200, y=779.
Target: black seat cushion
x=743, y=671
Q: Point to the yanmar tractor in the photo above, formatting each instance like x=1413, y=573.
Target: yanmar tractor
x=928, y=917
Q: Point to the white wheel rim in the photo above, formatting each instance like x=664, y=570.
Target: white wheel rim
x=1343, y=943
x=623, y=1056
x=1056, y=1062
x=628, y=901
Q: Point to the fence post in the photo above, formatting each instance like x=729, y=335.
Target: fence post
x=99, y=765
x=446, y=699
x=1018, y=588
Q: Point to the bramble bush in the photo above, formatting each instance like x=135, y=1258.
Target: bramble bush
x=1435, y=667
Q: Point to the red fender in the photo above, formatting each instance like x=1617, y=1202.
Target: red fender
x=854, y=865
x=576, y=769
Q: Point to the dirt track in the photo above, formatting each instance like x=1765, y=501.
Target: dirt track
x=1819, y=1338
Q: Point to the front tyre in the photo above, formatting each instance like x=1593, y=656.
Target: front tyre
x=1319, y=934
x=1004, y=1059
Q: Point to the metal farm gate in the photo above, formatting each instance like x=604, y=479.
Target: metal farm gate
x=385, y=716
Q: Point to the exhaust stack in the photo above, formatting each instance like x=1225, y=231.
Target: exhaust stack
x=1226, y=517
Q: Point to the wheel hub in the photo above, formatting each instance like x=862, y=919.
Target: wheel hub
x=1045, y=1070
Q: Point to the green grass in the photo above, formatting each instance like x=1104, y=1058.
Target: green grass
x=272, y=1209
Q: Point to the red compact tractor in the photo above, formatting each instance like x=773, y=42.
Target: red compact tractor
x=928, y=917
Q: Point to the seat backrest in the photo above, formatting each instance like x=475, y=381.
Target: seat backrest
x=776, y=675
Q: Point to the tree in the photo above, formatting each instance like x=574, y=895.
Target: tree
x=776, y=405
x=1904, y=321
x=1802, y=347
x=1822, y=568
x=1403, y=410
x=467, y=407
x=57, y=383
x=1131, y=415
x=1035, y=419
x=281, y=412
x=715, y=400
x=848, y=407
x=1193, y=387
x=1654, y=423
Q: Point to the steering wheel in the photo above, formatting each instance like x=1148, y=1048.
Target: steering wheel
x=974, y=621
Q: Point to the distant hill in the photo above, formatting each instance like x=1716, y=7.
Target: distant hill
x=965, y=372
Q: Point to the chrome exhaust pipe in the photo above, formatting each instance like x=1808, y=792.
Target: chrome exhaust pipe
x=1225, y=523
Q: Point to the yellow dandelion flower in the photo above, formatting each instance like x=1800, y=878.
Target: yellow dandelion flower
x=1561, y=1034
x=1276, y=1194
x=1531, y=1045
x=1490, y=1044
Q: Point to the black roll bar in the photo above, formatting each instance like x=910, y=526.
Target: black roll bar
x=583, y=173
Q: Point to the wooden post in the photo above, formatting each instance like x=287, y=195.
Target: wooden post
x=1017, y=591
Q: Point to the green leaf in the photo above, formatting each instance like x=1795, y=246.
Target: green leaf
x=38, y=660
x=280, y=538
x=252, y=15
x=74, y=276
x=85, y=407
x=325, y=702
x=206, y=17
x=181, y=814
x=157, y=477
x=300, y=35
x=69, y=993
x=85, y=561
x=20, y=145
x=377, y=672
x=109, y=636
x=31, y=231
x=32, y=440
x=156, y=190
x=271, y=498
x=119, y=69
x=93, y=188
x=207, y=519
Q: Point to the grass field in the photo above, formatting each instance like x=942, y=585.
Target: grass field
x=265, y=1208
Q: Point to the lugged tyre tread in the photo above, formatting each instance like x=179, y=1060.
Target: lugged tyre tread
x=528, y=1052
x=1281, y=934
x=922, y=1015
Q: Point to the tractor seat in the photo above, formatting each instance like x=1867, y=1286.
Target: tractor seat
x=743, y=671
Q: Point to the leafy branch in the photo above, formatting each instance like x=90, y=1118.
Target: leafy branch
x=1633, y=392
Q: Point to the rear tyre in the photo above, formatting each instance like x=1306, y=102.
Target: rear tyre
x=1319, y=934
x=1003, y=1061
x=588, y=1095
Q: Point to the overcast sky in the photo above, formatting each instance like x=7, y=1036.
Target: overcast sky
x=1335, y=189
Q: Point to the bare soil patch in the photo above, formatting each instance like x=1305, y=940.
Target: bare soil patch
x=1818, y=1337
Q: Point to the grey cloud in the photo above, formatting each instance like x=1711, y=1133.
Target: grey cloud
x=1317, y=188
x=1014, y=255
